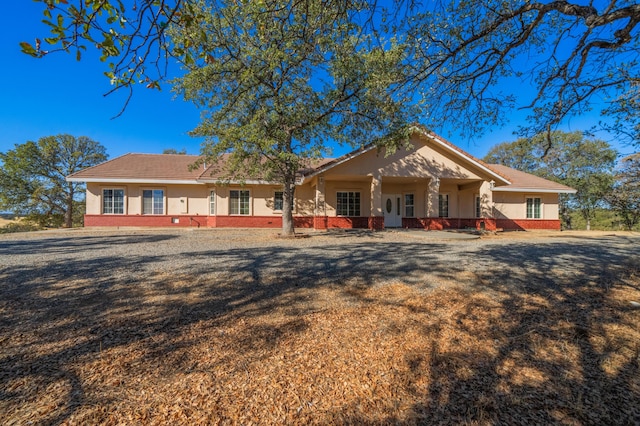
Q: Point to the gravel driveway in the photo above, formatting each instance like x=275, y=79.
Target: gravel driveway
x=425, y=259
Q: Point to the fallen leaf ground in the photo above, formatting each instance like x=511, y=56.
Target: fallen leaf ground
x=554, y=348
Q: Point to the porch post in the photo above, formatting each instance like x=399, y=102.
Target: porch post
x=320, y=221
x=376, y=219
x=433, y=189
x=486, y=205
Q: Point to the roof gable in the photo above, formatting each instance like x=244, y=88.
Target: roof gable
x=431, y=156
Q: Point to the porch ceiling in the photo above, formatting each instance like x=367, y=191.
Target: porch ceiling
x=348, y=178
x=404, y=179
x=459, y=181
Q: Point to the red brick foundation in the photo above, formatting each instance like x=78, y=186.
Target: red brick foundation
x=440, y=223
x=524, y=224
x=183, y=221
x=317, y=222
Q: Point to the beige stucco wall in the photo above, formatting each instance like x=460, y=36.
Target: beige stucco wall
x=512, y=205
x=424, y=160
x=179, y=199
x=305, y=200
x=331, y=192
x=260, y=202
x=196, y=198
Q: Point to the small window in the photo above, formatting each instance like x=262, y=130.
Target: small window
x=153, y=201
x=408, y=205
x=113, y=201
x=478, y=207
x=239, y=202
x=212, y=203
x=534, y=208
x=348, y=203
x=278, y=200
x=443, y=205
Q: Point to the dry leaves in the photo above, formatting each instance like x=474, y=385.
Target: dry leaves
x=338, y=354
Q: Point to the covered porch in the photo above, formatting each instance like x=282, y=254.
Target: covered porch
x=387, y=201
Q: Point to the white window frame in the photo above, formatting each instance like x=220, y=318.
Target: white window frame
x=124, y=201
x=442, y=195
x=212, y=202
x=153, y=204
x=357, y=206
x=533, y=207
x=275, y=201
x=412, y=205
x=239, y=201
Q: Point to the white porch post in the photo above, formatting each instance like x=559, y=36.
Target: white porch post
x=433, y=189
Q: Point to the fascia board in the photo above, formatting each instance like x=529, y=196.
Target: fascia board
x=142, y=181
x=536, y=190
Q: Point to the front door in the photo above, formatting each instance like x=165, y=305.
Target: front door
x=391, y=207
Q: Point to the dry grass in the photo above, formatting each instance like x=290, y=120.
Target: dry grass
x=5, y=221
x=163, y=352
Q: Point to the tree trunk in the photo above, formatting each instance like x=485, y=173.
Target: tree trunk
x=68, y=213
x=588, y=224
x=288, y=229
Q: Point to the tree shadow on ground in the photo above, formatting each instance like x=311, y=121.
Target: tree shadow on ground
x=60, y=315
x=558, y=348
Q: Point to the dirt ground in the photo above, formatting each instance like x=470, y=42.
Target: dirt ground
x=136, y=327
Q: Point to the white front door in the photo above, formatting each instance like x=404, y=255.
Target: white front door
x=391, y=206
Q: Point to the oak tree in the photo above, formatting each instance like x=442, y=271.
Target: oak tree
x=624, y=199
x=476, y=62
x=32, y=177
x=281, y=80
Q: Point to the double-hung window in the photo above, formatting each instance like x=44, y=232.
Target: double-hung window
x=443, y=205
x=534, y=208
x=239, y=202
x=113, y=201
x=348, y=203
x=152, y=201
x=409, y=210
x=478, y=207
x=278, y=200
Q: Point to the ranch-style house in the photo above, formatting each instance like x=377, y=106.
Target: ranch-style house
x=433, y=185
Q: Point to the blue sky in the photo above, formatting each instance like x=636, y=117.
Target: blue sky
x=57, y=94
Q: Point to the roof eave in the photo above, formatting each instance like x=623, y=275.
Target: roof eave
x=238, y=182
x=127, y=180
x=535, y=190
